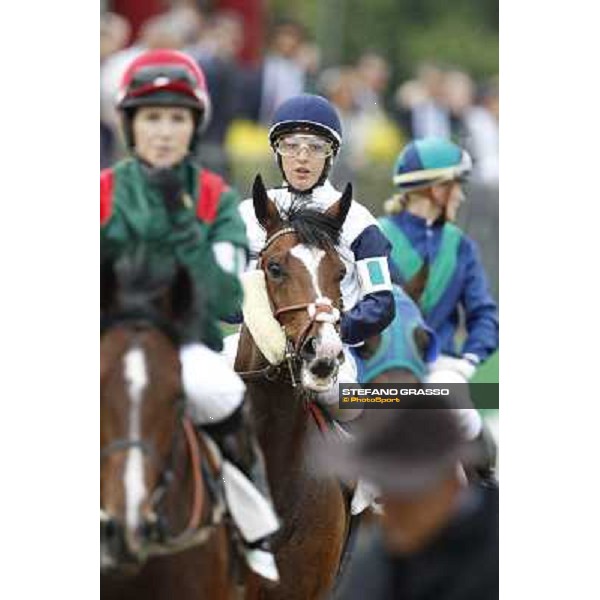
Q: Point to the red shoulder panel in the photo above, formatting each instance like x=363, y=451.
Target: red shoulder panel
x=210, y=188
x=106, y=194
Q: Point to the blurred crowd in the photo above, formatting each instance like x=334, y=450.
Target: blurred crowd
x=439, y=100
x=439, y=536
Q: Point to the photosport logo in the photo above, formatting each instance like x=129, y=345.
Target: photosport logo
x=460, y=395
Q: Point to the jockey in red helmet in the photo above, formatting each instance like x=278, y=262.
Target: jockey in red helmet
x=159, y=196
x=164, y=78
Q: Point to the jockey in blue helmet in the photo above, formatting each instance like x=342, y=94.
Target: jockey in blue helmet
x=306, y=135
x=428, y=174
x=313, y=115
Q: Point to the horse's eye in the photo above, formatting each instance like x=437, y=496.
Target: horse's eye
x=275, y=270
x=342, y=273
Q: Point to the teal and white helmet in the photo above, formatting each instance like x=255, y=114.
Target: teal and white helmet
x=429, y=161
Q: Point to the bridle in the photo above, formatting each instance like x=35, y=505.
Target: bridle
x=321, y=310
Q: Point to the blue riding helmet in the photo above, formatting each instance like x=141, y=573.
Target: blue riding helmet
x=308, y=111
x=429, y=161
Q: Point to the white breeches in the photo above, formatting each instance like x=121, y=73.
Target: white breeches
x=212, y=389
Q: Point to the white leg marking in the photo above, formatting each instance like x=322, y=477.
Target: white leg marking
x=136, y=378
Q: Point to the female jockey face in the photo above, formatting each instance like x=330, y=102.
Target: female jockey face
x=303, y=157
x=455, y=199
x=447, y=198
x=163, y=134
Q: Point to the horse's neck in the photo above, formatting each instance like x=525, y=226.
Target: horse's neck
x=280, y=417
x=179, y=492
x=282, y=423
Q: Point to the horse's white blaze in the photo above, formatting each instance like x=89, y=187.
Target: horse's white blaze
x=311, y=258
x=136, y=379
x=329, y=344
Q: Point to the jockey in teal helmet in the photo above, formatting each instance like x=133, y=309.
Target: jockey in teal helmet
x=440, y=265
x=428, y=174
x=428, y=163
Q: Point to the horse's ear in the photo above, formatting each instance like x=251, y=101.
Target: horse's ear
x=339, y=210
x=108, y=285
x=264, y=208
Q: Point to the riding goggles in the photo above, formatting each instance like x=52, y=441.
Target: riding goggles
x=292, y=145
x=150, y=79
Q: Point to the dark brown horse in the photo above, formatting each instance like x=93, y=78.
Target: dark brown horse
x=162, y=530
x=303, y=273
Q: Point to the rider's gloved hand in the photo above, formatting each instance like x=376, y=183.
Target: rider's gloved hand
x=169, y=184
x=462, y=367
x=448, y=369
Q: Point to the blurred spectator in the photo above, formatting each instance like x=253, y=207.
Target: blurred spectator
x=216, y=51
x=459, y=91
x=308, y=57
x=430, y=117
x=439, y=536
x=482, y=125
x=339, y=85
x=369, y=135
x=475, y=126
x=188, y=20
x=373, y=74
x=408, y=95
x=281, y=74
x=114, y=33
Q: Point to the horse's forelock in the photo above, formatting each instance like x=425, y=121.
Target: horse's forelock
x=314, y=228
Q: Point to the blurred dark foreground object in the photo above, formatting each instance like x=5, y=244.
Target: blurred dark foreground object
x=438, y=537
x=460, y=563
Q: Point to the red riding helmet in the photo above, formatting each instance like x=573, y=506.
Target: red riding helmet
x=164, y=77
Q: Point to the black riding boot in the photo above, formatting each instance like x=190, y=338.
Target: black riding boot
x=236, y=438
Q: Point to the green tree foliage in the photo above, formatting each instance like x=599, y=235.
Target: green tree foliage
x=457, y=32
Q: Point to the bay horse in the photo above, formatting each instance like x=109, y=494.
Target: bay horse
x=302, y=275
x=163, y=531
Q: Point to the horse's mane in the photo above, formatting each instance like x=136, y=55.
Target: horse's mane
x=314, y=228
x=137, y=274
x=160, y=290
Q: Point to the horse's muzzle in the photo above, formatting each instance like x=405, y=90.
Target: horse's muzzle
x=323, y=367
x=313, y=349
x=122, y=551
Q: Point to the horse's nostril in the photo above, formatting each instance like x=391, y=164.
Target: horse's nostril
x=108, y=529
x=323, y=367
x=309, y=349
x=150, y=529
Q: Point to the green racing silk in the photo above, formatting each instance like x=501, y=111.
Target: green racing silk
x=409, y=261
